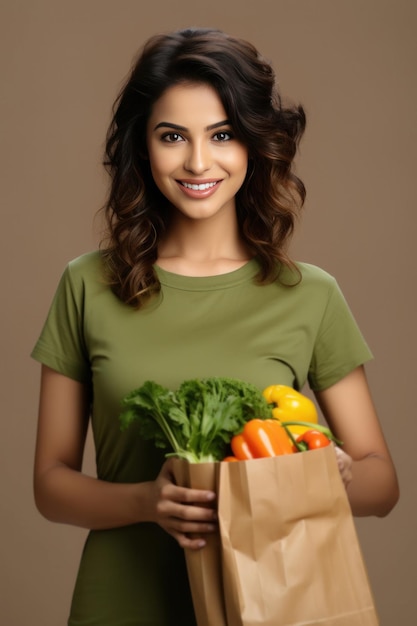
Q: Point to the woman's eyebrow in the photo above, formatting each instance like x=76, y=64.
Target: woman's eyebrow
x=183, y=128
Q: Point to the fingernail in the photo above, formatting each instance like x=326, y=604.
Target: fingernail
x=211, y=495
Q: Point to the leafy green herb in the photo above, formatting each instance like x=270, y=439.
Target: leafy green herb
x=197, y=421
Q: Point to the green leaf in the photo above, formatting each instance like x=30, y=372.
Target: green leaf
x=197, y=421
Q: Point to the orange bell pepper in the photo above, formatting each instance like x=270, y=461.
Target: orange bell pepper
x=240, y=448
x=261, y=438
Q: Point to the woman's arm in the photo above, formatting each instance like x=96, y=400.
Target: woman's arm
x=350, y=412
x=63, y=494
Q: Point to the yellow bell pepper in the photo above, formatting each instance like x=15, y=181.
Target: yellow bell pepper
x=291, y=405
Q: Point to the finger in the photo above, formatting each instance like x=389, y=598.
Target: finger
x=187, y=495
x=348, y=477
x=187, y=512
x=190, y=543
x=190, y=528
x=344, y=464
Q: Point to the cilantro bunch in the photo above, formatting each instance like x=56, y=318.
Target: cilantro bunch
x=197, y=421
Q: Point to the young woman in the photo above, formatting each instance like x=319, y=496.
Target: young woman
x=192, y=281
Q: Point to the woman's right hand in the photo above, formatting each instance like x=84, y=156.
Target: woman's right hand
x=64, y=494
x=176, y=509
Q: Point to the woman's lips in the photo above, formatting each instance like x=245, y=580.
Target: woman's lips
x=198, y=189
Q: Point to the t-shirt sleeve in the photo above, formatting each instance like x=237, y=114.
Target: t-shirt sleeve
x=340, y=346
x=61, y=344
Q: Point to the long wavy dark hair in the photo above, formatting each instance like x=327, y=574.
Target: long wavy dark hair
x=267, y=204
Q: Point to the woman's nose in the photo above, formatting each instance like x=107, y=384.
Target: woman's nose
x=198, y=158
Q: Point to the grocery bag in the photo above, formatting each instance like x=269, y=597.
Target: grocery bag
x=287, y=552
x=204, y=566
x=289, y=549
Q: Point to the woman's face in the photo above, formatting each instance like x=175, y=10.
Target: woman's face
x=195, y=160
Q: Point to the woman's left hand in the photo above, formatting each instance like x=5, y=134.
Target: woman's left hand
x=344, y=462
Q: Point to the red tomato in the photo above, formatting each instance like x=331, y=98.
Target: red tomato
x=314, y=439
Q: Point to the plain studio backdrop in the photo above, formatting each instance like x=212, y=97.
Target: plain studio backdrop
x=352, y=64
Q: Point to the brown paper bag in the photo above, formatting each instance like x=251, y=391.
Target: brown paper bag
x=204, y=566
x=290, y=552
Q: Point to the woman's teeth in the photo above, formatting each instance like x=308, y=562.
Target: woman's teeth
x=201, y=187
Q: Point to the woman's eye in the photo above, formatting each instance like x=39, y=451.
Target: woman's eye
x=171, y=137
x=223, y=135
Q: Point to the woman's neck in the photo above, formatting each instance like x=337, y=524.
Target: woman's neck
x=202, y=248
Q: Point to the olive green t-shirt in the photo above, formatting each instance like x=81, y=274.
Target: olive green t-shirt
x=225, y=325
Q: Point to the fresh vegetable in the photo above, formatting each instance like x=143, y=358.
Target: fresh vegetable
x=240, y=448
x=261, y=438
x=290, y=404
x=317, y=427
x=296, y=413
x=197, y=421
x=312, y=440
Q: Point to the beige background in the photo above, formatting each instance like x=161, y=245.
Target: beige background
x=352, y=64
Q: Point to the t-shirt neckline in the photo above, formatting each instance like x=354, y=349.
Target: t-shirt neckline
x=207, y=283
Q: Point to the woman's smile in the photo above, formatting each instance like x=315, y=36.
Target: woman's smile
x=199, y=189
